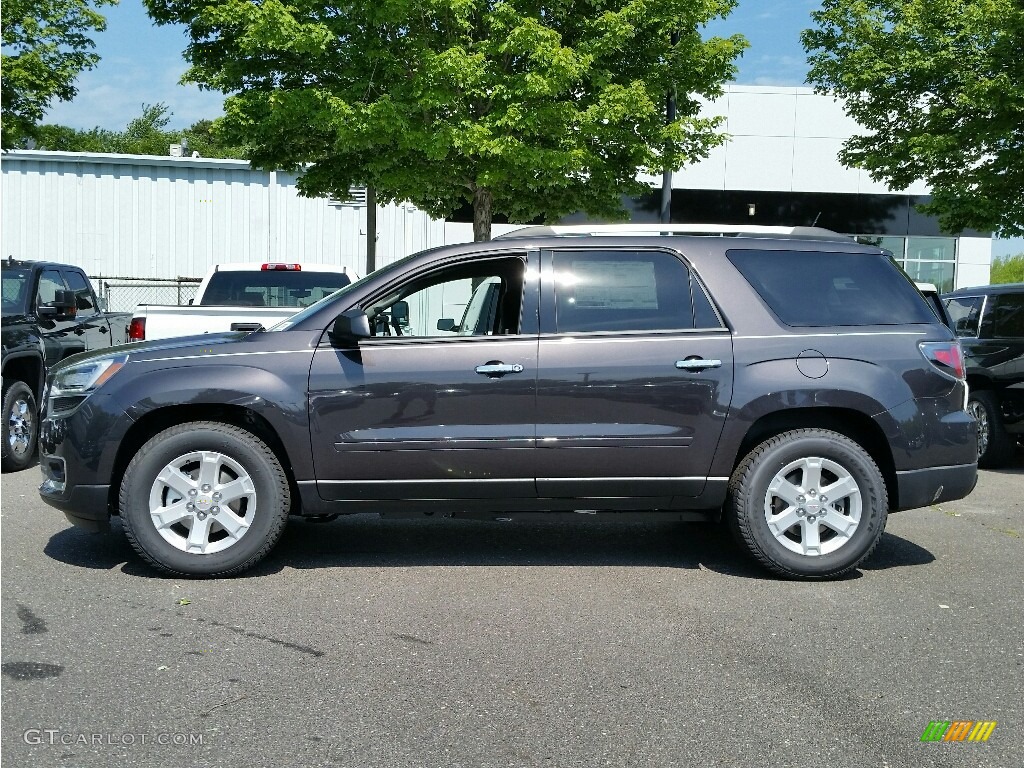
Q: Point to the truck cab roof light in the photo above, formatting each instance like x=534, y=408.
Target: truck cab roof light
x=275, y=266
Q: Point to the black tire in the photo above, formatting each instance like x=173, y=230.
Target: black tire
x=862, y=512
x=996, y=447
x=20, y=426
x=233, y=454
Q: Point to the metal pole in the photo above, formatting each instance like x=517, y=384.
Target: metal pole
x=371, y=229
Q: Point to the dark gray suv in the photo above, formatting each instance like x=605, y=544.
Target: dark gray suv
x=789, y=379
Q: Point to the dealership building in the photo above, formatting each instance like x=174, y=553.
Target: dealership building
x=133, y=216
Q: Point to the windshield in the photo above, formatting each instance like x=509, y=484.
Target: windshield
x=271, y=288
x=15, y=290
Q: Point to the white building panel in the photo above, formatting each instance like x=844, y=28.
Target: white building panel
x=761, y=112
x=759, y=163
x=821, y=116
x=708, y=173
x=974, y=261
x=816, y=168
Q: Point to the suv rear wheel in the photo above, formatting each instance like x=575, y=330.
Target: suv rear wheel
x=995, y=446
x=204, y=499
x=808, y=503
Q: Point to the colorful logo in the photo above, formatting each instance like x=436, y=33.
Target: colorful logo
x=958, y=730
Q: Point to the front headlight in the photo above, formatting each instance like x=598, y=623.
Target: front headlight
x=72, y=385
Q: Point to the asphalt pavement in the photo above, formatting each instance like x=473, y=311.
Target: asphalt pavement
x=383, y=644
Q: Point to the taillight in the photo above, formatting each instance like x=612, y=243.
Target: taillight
x=287, y=267
x=137, y=329
x=946, y=356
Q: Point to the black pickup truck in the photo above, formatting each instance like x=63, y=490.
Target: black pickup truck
x=50, y=312
x=990, y=323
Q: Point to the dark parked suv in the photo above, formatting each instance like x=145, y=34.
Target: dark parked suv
x=990, y=323
x=789, y=379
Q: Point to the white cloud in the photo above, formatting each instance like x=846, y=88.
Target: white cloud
x=113, y=94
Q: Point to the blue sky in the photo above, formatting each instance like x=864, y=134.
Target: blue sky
x=142, y=64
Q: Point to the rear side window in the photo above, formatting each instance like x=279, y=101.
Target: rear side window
x=813, y=288
x=271, y=288
x=626, y=291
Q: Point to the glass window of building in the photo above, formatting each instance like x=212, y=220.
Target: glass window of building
x=925, y=259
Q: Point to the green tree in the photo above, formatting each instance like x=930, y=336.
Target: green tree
x=1009, y=269
x=939, y=87
x=46, y=45
x=527, y=108
x=146, y=134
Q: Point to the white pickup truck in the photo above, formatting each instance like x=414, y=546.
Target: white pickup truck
x=240, y=297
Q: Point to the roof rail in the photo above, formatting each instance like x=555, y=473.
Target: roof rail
x=701, y=230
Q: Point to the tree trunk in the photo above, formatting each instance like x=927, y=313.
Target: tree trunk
x=483, y=201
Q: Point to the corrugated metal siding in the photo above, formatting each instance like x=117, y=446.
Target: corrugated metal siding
x=159, y=217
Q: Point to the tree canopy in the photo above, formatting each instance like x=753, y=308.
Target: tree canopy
x=146, y=134
x=1008, y=269
x=46, y=45
x=939, y=87
x=527, y=108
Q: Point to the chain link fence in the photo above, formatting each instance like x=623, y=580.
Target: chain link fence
x=123, y=294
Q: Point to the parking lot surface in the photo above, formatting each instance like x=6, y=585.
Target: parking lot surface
x=368, y=643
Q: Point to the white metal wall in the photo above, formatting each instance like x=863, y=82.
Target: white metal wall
x=136, y=216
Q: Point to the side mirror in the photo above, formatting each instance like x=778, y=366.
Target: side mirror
x=400, y=312
x=350, y=327
x=446, y=324
x=62, y=307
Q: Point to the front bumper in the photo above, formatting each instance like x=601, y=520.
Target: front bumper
x=924, y=487
x=85, y=506
x=76, y=456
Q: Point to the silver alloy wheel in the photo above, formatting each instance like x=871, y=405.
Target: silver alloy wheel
x=202, y=502
x=980, y=415
x=813, y=506
x=19, y=427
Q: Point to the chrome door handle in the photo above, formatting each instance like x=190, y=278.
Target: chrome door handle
x=697, y=364
x=498, y=369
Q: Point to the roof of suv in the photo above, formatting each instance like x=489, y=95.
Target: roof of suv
x=695, y=230
x=986, y=290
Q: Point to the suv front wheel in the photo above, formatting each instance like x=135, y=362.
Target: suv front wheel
x=809, y=503
x=204, y=499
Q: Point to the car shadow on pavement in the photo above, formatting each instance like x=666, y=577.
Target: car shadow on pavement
x=364, y=541
x=102, y=552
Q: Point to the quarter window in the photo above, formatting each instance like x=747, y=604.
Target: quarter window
x=814, y=289
x=964, y=313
